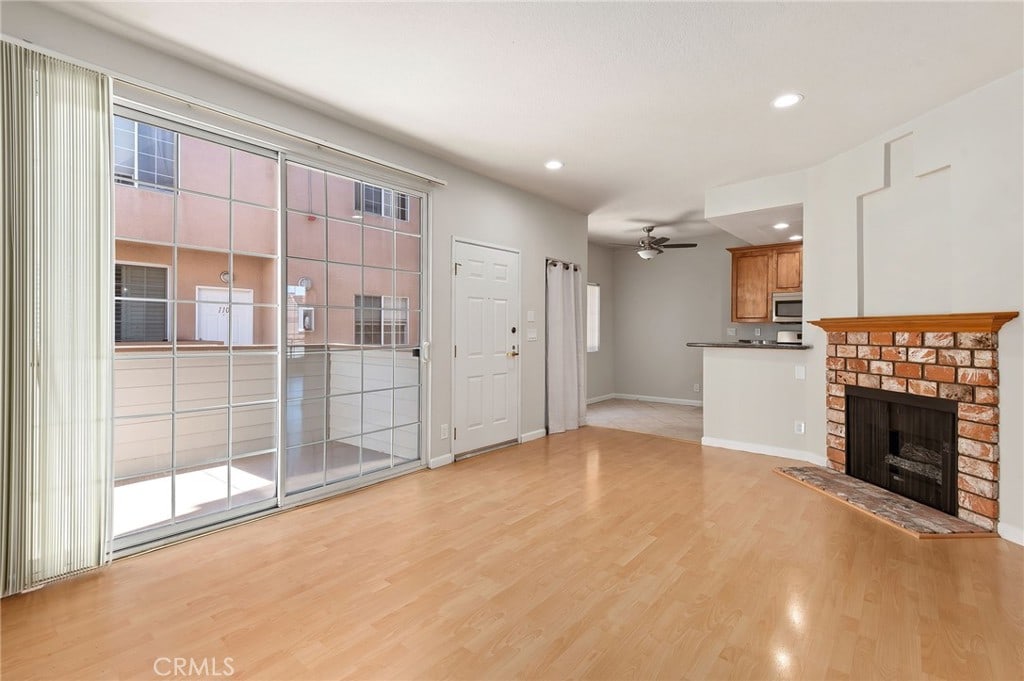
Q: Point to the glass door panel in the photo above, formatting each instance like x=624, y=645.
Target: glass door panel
x=197, y=327
x=353, y=302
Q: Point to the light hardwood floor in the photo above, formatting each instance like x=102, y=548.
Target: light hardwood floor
x=592, y=554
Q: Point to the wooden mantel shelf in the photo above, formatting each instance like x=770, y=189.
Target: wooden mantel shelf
x=989, y=322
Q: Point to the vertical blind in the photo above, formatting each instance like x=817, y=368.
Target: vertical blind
x=56, y=319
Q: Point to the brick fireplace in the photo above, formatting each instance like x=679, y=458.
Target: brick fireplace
x=953, y=357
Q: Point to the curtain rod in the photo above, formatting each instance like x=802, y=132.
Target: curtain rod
x=555, y=263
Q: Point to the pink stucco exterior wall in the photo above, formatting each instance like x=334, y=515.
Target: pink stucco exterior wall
x=227, y=201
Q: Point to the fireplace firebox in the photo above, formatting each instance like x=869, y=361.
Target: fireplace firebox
x=903, y=443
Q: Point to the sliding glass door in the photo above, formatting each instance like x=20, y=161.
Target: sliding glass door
x=352, y=377
x=204, y=430
x=197, y=328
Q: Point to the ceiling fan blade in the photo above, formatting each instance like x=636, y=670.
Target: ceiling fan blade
x=633, y=245
x=660, y=240
x=679, y=246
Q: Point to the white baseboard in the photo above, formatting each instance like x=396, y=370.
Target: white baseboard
x=533, y=435
x=652, y=398
x=438, y=461
x=602, y=398
x=798, y=454
x=1011, y=533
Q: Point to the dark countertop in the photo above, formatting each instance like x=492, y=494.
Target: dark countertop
x=754, y=346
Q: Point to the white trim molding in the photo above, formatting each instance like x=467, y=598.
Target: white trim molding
x=438, y=461
x=602, y=398
x=798, y=454
x=533, y=435
x=1011, y=533
x=651, y=398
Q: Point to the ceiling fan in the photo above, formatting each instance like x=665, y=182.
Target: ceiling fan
x=648, y=246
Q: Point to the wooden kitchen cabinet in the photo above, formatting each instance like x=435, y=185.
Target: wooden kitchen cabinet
x=760, y=271
x=789, y=263
x=750, y=294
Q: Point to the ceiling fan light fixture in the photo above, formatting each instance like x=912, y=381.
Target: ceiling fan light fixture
x=784, y=101
x=647, y=253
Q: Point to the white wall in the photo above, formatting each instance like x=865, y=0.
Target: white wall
x=740, y=415
x=601, y=364
x=470, y=206
x=950, y=201
x=664, y=303
x=939, y=199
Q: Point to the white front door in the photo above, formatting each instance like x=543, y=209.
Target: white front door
x=487, y=345
x=215, y=314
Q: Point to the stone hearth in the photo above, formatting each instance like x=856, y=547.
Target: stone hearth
x=955, y=357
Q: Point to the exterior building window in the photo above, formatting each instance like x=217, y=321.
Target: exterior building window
x=382, y=320
x=380, y=201
x=593, y=317
x=144, y=154
x=140, y=304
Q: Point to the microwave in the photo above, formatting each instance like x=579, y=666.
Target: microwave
x=788, y=308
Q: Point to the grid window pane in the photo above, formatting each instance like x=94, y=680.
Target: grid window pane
x=200, y=437
x=343, y=457
x=376, y=452
x=253, y=479
x=141, y=445
x=143, y=385
x=304, y=467
x=201, y=381
x=200, y=490
x=253, y=429
x=304, y=421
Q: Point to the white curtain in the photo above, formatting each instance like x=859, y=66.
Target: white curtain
x=55, y=318
x=566, y=398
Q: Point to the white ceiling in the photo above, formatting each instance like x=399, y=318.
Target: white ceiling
x=648, y=104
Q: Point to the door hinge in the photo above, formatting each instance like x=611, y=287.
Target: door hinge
x=455, y=433
x=456, y=350
x=457, y=266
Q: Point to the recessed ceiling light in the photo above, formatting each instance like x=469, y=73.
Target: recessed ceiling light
x=781, y=225
x=787, y=100
x=797, y=237
x=554, y=164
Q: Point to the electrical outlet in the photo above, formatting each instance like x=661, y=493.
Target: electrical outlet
x=757, y=330
x=696, y=387
x=730, y=331
x=798, y=427
x=800, y=372
x=444, y=431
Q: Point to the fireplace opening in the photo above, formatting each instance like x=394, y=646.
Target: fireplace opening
x=903, y=443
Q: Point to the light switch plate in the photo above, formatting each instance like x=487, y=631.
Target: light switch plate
x=531, y=334
x=531, y=316
x=801, y=372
